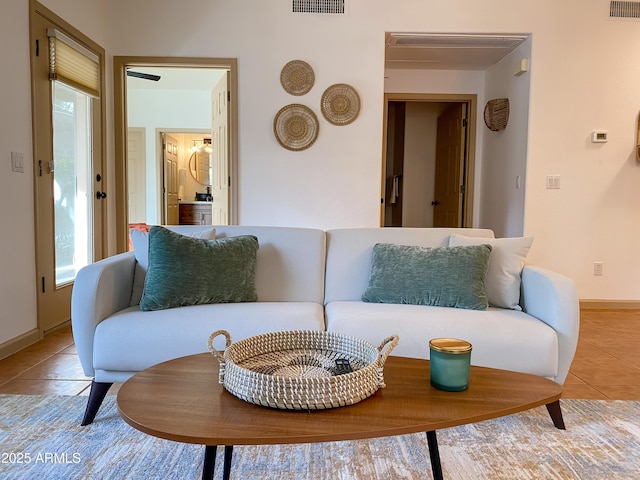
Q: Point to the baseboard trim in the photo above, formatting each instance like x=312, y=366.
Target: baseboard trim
x=610, y=304
x=22, y=341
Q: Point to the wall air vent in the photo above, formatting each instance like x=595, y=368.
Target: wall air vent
x=624, y=9
x=318, y=6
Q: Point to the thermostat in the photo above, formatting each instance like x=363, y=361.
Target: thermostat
x=599, y=137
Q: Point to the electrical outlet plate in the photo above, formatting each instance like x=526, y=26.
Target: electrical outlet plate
x=598, y=269
x=17, y=162
x=553, y=181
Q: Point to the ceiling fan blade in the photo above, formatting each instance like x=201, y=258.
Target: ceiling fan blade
x=145, y=76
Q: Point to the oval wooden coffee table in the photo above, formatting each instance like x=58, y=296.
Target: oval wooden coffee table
x=181, y=400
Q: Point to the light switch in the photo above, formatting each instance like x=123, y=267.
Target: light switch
x=553, y=181
x=17, y=162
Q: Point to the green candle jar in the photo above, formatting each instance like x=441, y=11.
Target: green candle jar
x=449, y=363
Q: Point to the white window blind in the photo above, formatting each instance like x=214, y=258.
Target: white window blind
x=73, y=64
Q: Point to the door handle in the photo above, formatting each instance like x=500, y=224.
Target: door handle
x=435, y=203
x=101, y=195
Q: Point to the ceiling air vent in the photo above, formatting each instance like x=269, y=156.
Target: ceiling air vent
x=624, y=9
x=318, y=6
x=439, y=40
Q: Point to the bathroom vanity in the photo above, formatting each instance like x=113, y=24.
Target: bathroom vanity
x=195, y=213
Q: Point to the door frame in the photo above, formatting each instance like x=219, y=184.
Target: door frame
x=52, y=299
x=468, y=172
x=120, y=65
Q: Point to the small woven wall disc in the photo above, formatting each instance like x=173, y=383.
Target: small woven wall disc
x=296, y=127
x=297, y=77
x=340, y=104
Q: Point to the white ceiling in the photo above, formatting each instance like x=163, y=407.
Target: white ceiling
x=447, y=51
x=174, y=78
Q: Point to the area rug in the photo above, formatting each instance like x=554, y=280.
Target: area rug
x=41, y=437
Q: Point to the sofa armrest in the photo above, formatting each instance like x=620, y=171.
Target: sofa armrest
x=99, y=290
x=552, y=298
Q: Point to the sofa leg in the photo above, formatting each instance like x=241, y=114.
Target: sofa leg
x=96, y=396
x=556, y=414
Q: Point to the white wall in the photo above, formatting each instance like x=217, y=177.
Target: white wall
x=334, y=183
x=504, y=154
x=583, y=77
x=590, y=83
x=581, y=80
x=17, y=280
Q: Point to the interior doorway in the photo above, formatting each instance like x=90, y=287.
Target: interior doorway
x=123, y=68
x=185, y=160
x=428, y=160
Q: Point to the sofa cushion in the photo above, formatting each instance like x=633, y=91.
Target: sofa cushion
x=132, y=340
x=505, y=267
x=190, y=271
x=501, y=338
x=443, y=276
x=140, y=241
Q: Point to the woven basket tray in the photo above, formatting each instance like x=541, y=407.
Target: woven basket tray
x=301, y=370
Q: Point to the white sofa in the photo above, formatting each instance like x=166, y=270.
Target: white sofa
x=309, y=279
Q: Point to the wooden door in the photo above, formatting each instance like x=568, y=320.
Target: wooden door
x=136, y=175
x=220, y=144
x=447, y=204
x=69, y=166
x=171, y=181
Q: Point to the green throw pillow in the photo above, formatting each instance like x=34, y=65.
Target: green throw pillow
x=192, y=271
x=442, y=276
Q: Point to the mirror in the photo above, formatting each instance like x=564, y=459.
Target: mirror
x=200, y=163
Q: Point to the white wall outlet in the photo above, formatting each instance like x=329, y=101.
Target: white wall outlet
x=598, y=269
x=17, y=162
x=553, y=181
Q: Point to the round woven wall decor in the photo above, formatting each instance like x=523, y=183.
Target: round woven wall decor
x=340, y=104
x=496, y=114
x=296, y=127
x=297, y=77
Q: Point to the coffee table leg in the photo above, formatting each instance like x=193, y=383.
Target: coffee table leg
x=228, y=454
x=434, y=454
x=556, y=414
x=209, y=462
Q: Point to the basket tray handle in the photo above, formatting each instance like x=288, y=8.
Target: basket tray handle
x=390, y=343
x=219, y=354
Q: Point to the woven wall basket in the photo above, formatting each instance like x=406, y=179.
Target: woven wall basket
x=496, y=114
x=340, y=104
x=302, y=369
x=296, y=127
x=297, y=77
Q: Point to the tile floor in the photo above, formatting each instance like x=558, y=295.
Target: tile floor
x=606, y=365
